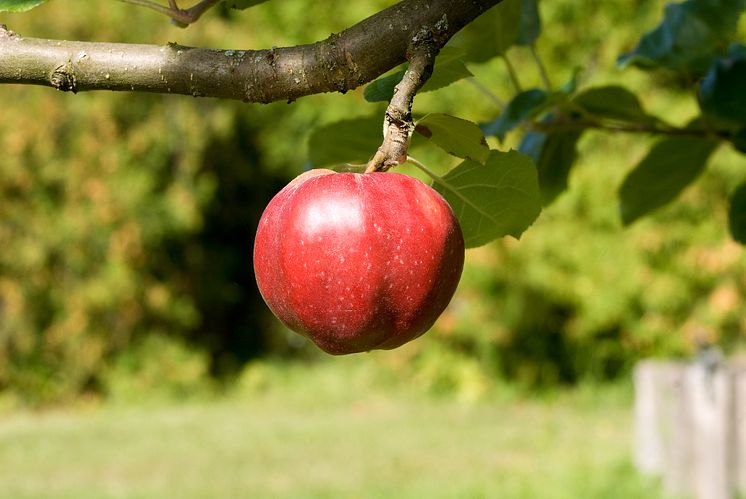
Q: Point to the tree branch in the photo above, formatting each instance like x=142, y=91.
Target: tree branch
x=180, y=17
x=398, y=124
x=340, y=63
x=585, y=124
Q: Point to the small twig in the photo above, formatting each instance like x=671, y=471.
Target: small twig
x=499, y=103
x=513, y=75
x=181, y=17
x=584, y=124
x=542, y=70
x=398, y=125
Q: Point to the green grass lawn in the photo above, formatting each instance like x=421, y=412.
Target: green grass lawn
x=327, y=432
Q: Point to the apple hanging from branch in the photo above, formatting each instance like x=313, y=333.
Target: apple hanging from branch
x=358, y=262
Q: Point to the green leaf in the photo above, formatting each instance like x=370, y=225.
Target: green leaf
x=523, y=106
x=737, y=214
x=690, y=36
x=739, y=140
x=455, y=136
x=347, y=141
x=243, y=4
x=492, y=33
x=614, y=103
x=554, y=154
x=449, y=68
x=571, y=85
x=530, y=27
x=495, y=199
x=721, y=96
x=670, y=166
x=382, y=89
x=19, y=5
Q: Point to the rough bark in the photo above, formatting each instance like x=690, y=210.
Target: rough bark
x=342, y=62
x=398, y=124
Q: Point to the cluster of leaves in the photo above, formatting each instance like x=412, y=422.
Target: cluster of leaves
x=24, y=5
x=495, y=193
x=105, y=221
x=693, y=43
x=670, y=285
x=127, y=222
x=80, y=216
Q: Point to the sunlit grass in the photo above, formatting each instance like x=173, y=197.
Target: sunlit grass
x=330, y=431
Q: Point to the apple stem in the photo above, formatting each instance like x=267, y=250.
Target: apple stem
x=398, y=124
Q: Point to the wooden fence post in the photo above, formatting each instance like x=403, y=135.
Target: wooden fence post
x=739, y=427
x=662, y=424
x=711, y=434
x=648, y=437
x=676, y=423
x=690, y=427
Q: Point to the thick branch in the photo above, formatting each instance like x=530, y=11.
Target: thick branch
x=340, y=63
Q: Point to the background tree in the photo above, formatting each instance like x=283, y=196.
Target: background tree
x=161, y=236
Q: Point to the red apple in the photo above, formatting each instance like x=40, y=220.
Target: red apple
x=358, y=262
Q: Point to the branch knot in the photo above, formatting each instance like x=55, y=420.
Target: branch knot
x=6, y=33
x=63, y=78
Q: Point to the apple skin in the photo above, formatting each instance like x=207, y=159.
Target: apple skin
x=358, y=261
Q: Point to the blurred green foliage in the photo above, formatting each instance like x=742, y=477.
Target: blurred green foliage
x=126, y=221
